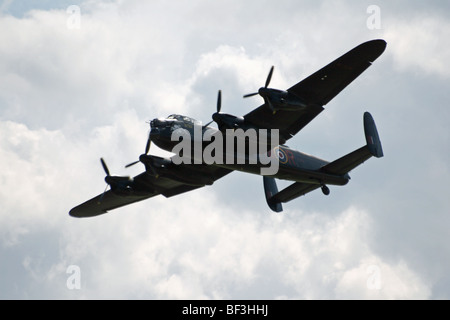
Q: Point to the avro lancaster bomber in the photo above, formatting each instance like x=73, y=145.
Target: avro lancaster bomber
x=282, y=115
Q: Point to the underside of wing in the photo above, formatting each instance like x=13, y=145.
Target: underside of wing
x=169, y=182
x=105, y=202
x=317, y=90
x=145, y=186
x=322, y=86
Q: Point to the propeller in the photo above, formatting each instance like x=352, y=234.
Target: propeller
x=113, y=181
x=219, y=106
x=269, y=77
x=147, y=149
x=263, y=92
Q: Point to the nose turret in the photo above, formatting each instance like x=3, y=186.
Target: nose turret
x=155, y=129
x=160, y=133
x=157, y=122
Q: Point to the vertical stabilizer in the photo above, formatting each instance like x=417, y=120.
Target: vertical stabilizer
x=350, y=161
x=372, y=138
x=270, y=190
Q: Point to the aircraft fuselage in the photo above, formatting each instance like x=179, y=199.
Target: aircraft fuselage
x=291, y=164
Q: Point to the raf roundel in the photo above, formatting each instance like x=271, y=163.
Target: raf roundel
x=282, y=155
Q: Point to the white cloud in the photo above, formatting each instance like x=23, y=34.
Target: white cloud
x=227, y=256
x=219, y=254
x=418, y=44
x=69, y=97
x=374, y=279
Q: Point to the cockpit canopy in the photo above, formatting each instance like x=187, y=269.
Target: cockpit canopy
x=183, y=119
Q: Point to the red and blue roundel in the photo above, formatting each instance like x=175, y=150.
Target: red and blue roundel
x=281, y=155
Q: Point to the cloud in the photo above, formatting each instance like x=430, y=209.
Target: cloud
x=69, y=97
x=382, y=281
x=416, y=44
x=201, y=251
x=231, y=257
x=159, y=251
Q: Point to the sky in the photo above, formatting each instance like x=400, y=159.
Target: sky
x=79, y=80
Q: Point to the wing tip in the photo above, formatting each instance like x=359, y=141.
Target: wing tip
x=79, y=212
x=373, y=48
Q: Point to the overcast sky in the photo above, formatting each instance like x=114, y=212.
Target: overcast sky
x=79, y=80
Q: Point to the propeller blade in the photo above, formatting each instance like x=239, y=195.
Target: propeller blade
x=250, y=95
x=147, y=146
x=219, y=107
x=131, y=164
x=103, y=194
x=269, y=77
x=104, y=166
x=219, y=101
x=208, y=123
x=147, y=149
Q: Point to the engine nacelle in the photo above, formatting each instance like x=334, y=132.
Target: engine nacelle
x=227, y=121
x=120, y=185
x=281, y=100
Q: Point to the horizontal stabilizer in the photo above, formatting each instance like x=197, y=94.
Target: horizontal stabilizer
x=295, y=190
x=339, y=167
x=350, y=161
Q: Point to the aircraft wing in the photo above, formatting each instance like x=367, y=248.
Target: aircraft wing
x=146, y=186
x=317, y=90
x=103, y=203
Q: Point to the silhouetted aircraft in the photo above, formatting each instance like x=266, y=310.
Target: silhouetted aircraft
x=280, y=117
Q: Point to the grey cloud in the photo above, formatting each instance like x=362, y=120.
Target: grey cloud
x=69, y=97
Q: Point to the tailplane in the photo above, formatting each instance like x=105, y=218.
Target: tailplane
x=340, y=167
x=350, y=161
